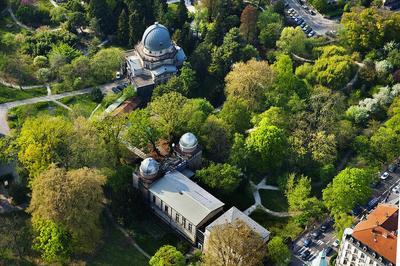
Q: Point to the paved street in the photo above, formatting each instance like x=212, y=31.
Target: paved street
x=317, y=22
x=385, y=195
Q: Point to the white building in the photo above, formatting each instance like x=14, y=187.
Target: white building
x=232, y=215
x=372, y=241
x=153, y=61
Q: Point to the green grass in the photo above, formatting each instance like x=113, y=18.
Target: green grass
x=10, y=94
x=117, y=251
x=18, y=115
x=274, y=200
x=151, y=233
x=81, y=104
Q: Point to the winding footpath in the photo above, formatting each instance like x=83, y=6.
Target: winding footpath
x=257, y=199
x=19, y=23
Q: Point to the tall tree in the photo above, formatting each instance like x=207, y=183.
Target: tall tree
x=234, y=244
x=123, y=28
x=278, y=251
x=73, y=201
x=182, y=13
x=249, y=82
x=292, y=40
x=167, y=255
x=100, y=10
x=248, y=24
x=223, y=178
x=136, y=27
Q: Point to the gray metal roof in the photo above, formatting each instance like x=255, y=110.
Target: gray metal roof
x=188, y=141
x=164, y=69
x=156, y=38
x=234, y=214
x=149, y=166
x=320, y=260
x=186, y=197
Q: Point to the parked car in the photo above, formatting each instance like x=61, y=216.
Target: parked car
x=376, y=183
x=118, y=75
x=385, y=175
x=307, y=242
x=312, y=12
x=308, y=30
x=392, y=168
x=328, y=250
x=357, y=210
x=316, y=234
x=303, y=24
x=305, y=255
x=396, y=189
x=325, y=226
x=372, y=204
x=116, y=90
x=336, y=243
x=312, y=33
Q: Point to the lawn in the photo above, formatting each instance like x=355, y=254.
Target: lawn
x=81, y=104
x=10, y=94
x=18, y=115
x=151, y=233
x=274, y=200
x=117, y=251
x=281, y=226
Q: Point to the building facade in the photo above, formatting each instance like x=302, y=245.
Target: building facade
x=154, y=60
x=373, y=241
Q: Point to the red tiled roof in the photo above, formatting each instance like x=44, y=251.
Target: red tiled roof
x=378, y=232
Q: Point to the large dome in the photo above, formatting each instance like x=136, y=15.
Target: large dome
x=149, y=167
x=156, y=38
x=188, y=142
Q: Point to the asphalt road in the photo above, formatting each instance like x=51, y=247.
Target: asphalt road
x=385, y=194
x=317, y=22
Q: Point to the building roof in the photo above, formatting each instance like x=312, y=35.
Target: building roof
x=188, y=141
x=164, y=69
x=156, y=38
x=234, y=214
x=149, y=166
x=378, y=231
x=186, y=197
x=320, y=260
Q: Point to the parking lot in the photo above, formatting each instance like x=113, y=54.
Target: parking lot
x=312, y=18
x=384, y=191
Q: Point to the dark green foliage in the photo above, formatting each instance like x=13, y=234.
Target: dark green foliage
x=136, y=27
x=123, y=28
x=222, y=178
x=33, y=15
x=96, y=95
x=101, y=10
x=18, y=192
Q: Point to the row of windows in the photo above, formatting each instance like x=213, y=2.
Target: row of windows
x=177, y=217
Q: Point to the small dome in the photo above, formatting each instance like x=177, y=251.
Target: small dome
x=156, y=38
x=149, y=167
x=188, y=142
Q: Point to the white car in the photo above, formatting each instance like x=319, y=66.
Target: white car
x=396, y=189
x=335, y=243
x=384, y=175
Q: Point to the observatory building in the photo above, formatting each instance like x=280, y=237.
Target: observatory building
x=155, y=59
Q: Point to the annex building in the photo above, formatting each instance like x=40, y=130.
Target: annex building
x=168, y=188
x=154, y=60
x=372, y=241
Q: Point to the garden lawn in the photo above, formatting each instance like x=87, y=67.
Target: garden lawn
x=18, y=115
x=151, y=233
x=9, y=94
x=274, y=200
x=117, y=251
x=81, y=104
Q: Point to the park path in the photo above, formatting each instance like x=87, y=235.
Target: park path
x=257, y=199
x=19, y=23
x=4, y=107
x=54, y=3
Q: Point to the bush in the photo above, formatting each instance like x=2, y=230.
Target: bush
x=32, y=15
x=96, y=95
x=40, y=61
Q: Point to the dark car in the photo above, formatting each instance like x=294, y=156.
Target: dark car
x=307, y=242
x=305, y=255
x=376, y=183
x=316, y=234
x=312, y=12
x=328, y=250
x=392, y=168
x=357, y=210
x=372, y=204
x=116, y=90
x=325, y=227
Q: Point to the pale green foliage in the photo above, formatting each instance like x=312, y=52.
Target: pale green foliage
x=105, y=63
x=235, y=114
x=52, y=240
x=278, y=251
x=72, y=200
x=292, y=40
x=349, y=187
x=386, y=140
x=167, y=256
x=220, y=177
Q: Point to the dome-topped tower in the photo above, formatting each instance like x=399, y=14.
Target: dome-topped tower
x=156, y=39
x=188, y=143
x=149, y=167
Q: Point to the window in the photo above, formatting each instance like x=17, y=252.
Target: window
x=184, y=222
x=190, y=227
x=166, y=208
x=154, y=199
x=177, y=217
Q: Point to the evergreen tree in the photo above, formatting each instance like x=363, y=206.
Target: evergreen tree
x=123, y=28
x=182, y=13
x=136, y=27
x=100, y=10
